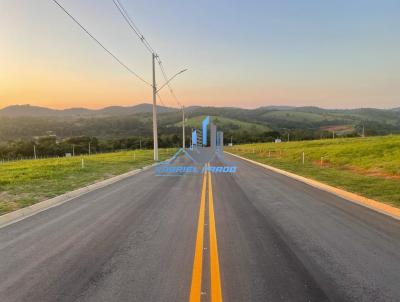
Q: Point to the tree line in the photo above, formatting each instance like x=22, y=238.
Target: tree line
x=51, y=146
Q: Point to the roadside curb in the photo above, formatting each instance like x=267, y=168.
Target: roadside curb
x=36, y=208
x=352, y=197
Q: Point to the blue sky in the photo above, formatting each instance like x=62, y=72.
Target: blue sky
x=239, y=53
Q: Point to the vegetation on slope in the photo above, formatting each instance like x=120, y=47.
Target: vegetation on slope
x=368, y=166
x=55, y=132
x=305, y=122
x=224, y=124
x=23, y=183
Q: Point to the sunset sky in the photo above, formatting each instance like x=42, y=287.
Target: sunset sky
x=334, y=54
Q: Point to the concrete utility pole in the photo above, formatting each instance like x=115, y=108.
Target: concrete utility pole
x=288, y=137
x=155, y=91
x=183, y=127
x=155, y=135
x=73, y=150
x=34, y=151
x=89, y=149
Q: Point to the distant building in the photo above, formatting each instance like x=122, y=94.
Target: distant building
x=213, y=136
x=220, y=140
x=278, y=140
x=205, y=124
x=197, y=138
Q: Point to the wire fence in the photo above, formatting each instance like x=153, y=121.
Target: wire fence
x=69, y=155
x=301, y=156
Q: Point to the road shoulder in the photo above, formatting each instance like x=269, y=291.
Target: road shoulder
x=36, y=208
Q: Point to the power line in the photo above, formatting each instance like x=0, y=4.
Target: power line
x=133, y=26
x=168, y=84
x=101, y=45
x=142, y=38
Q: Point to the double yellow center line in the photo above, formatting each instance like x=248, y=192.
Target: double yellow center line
x=195, y=290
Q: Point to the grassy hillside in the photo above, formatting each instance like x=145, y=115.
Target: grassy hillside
x=299, y=116
x=368, y=166
x=112, y=122
x=224, y=123
x=26, y=182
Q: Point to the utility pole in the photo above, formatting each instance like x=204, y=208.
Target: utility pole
x=183, y=127
x=89, y=149
x=73, y=150
x=140, y=143
x=34, y=151
x=231, y=140
x=155, y=135
x=363, y=131
x=288, y=136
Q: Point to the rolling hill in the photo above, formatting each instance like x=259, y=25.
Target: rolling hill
x=224, y=123
x=36, y=111
x=25, y=121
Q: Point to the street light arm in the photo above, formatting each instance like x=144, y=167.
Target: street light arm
x=167, y=82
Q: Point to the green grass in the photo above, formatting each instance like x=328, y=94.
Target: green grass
x=296, y=116
x=367, y=166
x=23, y=183
x=224, y=122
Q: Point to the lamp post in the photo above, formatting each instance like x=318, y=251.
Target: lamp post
x=155, y=91
x=183, y=127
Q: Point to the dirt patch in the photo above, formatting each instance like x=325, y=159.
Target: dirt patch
x=6, y=196
x=375, y=172
x=338, y=128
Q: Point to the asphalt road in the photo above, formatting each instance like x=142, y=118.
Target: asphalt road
x=250, y=236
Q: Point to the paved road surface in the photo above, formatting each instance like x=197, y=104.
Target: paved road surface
x=255, y=236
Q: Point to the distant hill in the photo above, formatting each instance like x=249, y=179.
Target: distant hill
x=26, y=110
x=277, y=107
x=36, y=111
x=225, y=124
x=25, y=121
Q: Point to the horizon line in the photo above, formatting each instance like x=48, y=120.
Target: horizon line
x=173, y=107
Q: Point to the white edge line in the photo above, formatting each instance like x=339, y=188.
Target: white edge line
x=349, y=196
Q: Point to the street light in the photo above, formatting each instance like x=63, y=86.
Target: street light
x=155, y=91
x=183, y=127
x=167, y=82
